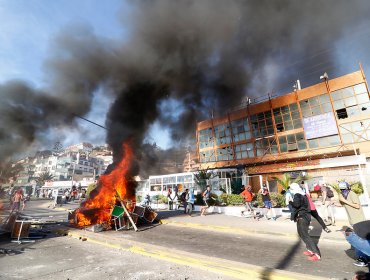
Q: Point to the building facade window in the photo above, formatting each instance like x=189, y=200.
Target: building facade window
x=205, y=138
x=353, y=132
x=262, y=124
x=292, y=142
x=207, y=156
x=225, y=153
x=266, y=146
x=244, y=151
x=315, y=105
x=222, y=134
x=351, y=101
x=324, y=142
x=287, y=118
x=241, y=130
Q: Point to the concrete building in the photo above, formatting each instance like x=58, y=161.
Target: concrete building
x=322, y=131
x=73, y=163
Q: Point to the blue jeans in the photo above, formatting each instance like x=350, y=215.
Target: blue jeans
x=362, y=246
x=268, y=204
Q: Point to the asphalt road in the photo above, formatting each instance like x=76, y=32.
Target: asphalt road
x=268, y=251
x=63, y=258
x=272, y=252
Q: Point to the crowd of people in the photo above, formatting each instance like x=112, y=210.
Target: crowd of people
x=185, y=200
x=18, y=198
x=302, y=208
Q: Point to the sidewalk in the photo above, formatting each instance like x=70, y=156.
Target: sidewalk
x=247, y=226
x=241, y=225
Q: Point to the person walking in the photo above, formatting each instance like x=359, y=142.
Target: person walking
x=359, y=238
x=170, y=199
x=67, y=195
x=206, y=199
x=184, y=198
x=314, y=212
x=17, y=198
x=302, y=216
x=270, y=214
x=248, y=197
x=288, y=198
x=147, y=201
x=190, y=202
x=328, y=203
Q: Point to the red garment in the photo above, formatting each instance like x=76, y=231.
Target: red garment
x=316, y=187
x=247, y=195
x=312, y=205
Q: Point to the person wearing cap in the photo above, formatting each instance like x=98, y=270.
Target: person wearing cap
x=302, y=216
x=350, y=201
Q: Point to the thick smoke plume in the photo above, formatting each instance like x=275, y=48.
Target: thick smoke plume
x=206, y=55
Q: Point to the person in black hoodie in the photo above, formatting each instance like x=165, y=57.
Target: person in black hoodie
x=302, y=216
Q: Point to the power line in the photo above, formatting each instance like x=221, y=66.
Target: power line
x=90, y=121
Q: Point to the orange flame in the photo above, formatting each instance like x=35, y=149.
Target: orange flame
x=98, y=208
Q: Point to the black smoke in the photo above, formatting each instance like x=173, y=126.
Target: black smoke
x=208, y=55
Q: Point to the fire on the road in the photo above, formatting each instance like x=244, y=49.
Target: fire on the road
x=97, y=209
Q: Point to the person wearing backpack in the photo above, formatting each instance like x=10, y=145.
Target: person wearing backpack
x=302, y=216
x=328, y=204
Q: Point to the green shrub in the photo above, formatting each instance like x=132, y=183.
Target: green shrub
x=277, y=199
x=138, y=198
x=162, y=199
x=231, y=199
x=357, y=188
x=335, y=187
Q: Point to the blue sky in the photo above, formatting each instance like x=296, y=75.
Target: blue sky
x=26, y=31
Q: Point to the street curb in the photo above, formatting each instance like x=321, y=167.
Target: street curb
x=216, y=265
x=241, y=231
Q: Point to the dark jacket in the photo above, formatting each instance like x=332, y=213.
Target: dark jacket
x=362, y=229
x=301, y=207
